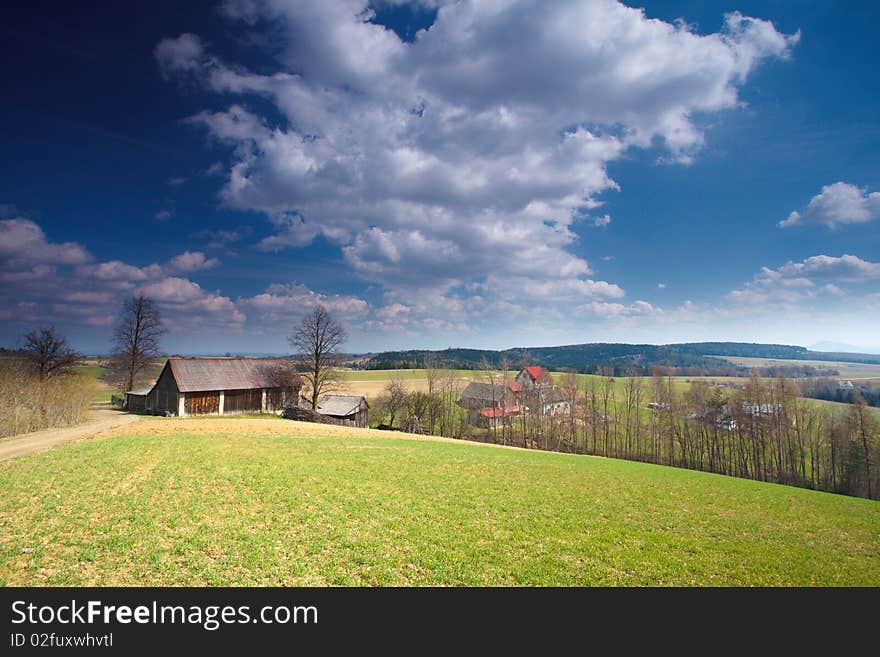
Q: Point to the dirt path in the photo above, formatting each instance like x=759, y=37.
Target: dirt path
x=101, y=418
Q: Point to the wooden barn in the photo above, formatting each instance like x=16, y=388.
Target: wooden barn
x=347, y=410
x=221, y=386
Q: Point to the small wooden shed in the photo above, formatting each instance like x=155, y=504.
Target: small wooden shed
x=223, y=386
x=346, y=410
x=136, y=400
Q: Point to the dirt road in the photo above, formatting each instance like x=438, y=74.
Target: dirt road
x=101, y=418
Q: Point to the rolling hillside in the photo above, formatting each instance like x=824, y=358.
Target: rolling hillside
x=271, y=502
x=710, y=357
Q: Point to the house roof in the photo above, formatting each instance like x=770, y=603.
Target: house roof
x=486, y=391
x=536, y=372
x=499, y=412
x=339, y=405
x=515, y=387
x=142, y=392
x=205, y=374
x=553, y=395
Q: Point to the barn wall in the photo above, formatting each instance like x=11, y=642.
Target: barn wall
x=163, y=396
x=202, y=403
x=358, y=419
x=243, y=401
x=278, y=398
x=135, y=403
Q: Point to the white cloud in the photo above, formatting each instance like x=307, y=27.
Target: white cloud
x=190, y=261
x=191, y=305
x=846, y=268
x=796, y=283
x=163, y=215
x=22, y=242
x=467, y=156
x=59, y=283
x=285, y=303
x=836, y=205
x=179, y=55
x=610, y=310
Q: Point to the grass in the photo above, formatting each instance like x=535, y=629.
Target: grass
x=847, y=370
x=103, y=392
x=387, y=375
x=264, y=502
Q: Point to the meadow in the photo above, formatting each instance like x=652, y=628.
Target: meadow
x=847, y=370
x=273, y=502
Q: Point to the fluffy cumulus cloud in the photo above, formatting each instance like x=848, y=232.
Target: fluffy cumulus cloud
x=190, y=305
x=286, y=303
x=837, y=205
x=460, y=164
x=61, y=282
x=23, y=242
x=190, y=261
x=815, y=278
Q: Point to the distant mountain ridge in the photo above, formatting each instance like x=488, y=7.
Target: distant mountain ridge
x=589, y=357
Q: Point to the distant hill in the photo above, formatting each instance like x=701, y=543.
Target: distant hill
x=689, y=358
x=842, y=347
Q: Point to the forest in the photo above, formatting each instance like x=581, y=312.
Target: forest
x=689, y=359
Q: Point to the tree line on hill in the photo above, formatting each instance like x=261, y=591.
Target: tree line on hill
x=831, y=390
x=763, y=430
x=690, y=359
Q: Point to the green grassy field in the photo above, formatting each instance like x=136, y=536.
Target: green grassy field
x=385, y=375
x=266, y=502
x=103, y=392
x=847, y=370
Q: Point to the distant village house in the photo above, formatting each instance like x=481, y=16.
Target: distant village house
x=492, y=405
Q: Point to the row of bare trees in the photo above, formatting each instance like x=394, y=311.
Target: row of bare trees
x=763, y=430
x=40, y=385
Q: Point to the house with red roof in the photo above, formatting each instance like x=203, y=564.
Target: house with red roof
x=532, y=377
x=532, y=390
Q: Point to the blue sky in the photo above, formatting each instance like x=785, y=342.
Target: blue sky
x=443, y=174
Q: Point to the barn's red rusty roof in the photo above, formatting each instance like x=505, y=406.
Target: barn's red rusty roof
x=536, y=372
x=499, y=412
x=205, y=374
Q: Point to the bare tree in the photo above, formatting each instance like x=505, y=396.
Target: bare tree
x=48, y=353
x=395, y=394
x=136, y=338
x=317, y=340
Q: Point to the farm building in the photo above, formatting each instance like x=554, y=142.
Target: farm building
x=533, y=377
x=347, y=410
x=532, y=390
x=222, y=386
x=553, y=400
x=136, y=400
x=486, y=395
x=495, y=418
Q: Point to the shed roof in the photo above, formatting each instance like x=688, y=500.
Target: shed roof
x=500, y=412
x=205, y=374
x=553, y=395
x=339, y=405
x=484, y=391
x=140, y=392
